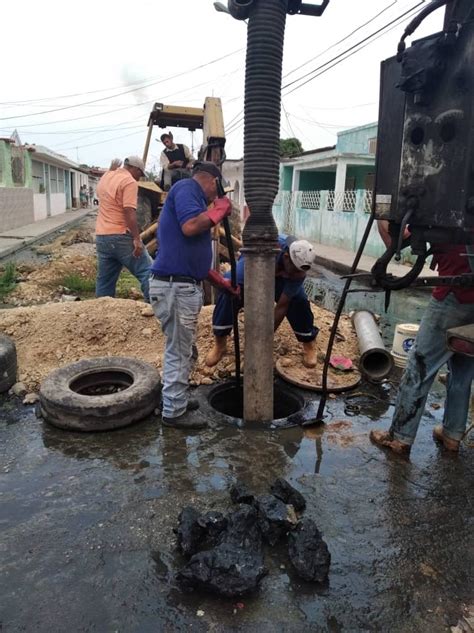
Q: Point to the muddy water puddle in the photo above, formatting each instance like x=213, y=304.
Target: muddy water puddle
x=88, y=521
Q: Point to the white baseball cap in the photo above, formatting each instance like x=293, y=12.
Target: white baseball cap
x=135, y=161
x=302, y=254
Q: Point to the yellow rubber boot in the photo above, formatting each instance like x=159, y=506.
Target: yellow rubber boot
x=310, y=354
x=217, y=351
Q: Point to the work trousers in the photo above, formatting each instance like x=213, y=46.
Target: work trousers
x=177, y=307
x=115, y=252
x=299, y=315
x=428, y=354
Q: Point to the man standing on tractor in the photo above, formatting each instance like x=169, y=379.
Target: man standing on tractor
x=176, y=161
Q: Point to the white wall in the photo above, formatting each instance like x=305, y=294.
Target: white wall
x=233, y=171
x=58, y=203
x=40, y=206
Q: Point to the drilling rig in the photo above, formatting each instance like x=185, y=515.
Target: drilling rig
x=265, y=37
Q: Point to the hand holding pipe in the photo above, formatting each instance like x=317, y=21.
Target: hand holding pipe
x=233, y=279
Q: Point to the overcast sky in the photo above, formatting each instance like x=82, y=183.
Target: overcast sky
x=63, y=55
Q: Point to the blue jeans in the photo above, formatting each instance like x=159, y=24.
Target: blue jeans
x=177, y=306
x=113, y=253
x=426, y=357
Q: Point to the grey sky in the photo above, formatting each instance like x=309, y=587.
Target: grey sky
x=162, y=49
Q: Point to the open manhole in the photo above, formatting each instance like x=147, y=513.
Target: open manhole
x=101, y=383
x=229, y=400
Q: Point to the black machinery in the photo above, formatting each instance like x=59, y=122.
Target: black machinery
x=425, y=147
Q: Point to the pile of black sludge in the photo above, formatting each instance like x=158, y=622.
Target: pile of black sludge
x=226, y=552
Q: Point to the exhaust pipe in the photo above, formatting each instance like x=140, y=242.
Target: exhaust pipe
x=375, y=362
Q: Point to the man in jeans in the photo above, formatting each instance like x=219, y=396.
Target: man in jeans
x=184, y=260
x=449, y=307
x=118, y=242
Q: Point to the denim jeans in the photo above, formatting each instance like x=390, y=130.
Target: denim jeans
x=113, y=253
x=299, y=315
x=426, y=357
x=177, y=306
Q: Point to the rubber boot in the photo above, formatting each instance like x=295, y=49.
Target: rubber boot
x=310, y=354
x=217, y=351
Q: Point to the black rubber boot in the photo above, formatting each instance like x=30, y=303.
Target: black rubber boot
x=185, y=421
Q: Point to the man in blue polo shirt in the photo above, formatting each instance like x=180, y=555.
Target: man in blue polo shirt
x=184, y=260
x=291, y=263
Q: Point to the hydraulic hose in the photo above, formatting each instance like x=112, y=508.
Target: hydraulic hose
x=265, y=37
x=235, y=310
x=417, y=20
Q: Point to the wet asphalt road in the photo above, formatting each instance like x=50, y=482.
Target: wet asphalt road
x=87, y=540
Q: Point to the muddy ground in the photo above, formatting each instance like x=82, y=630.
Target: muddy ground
x=87, y=525
x=87, y=521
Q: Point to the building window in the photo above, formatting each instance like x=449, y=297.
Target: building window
x=372, y=145
x=18, y=165
x=53, y=177
x=37, y=172
x=60, y=180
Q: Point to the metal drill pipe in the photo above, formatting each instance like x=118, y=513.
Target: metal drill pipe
x=259, y=291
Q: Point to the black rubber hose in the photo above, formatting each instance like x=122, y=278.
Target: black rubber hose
x=340, y=307
x=265, y=36
x=235, y=309
x=389, y=282
x=417, y=20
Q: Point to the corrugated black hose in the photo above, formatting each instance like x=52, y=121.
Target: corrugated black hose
x=265, y=36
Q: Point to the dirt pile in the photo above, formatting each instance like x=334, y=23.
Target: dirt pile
x=55, y=334
x=44, y=283
x=82, y=235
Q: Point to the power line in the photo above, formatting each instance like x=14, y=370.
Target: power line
x=114, y=138
x=135, y=105
x=288, y=119
x=380, y=32
x=346, y=37
x=77, y=105
x=325, y=67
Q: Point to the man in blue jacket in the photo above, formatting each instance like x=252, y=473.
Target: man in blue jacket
x=184, y=260
x=291, y=264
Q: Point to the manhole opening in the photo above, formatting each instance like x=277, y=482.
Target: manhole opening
x=102, y=382
x=229, y=400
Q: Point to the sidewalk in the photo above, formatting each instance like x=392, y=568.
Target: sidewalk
x=16, y=239
x=340, y=261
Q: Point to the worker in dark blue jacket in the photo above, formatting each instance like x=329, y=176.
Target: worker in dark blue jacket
x=291, y=264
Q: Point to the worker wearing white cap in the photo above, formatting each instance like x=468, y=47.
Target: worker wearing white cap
x=118, y=242
x=292, y=263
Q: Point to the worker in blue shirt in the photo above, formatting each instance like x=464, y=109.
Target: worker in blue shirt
x=291, y=263
x=183, y=261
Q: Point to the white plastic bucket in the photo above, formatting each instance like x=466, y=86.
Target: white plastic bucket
x=403, y=339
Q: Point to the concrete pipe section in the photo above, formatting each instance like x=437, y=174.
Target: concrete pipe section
x=375, y=362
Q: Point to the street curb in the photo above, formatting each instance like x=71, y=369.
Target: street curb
x=28, y=241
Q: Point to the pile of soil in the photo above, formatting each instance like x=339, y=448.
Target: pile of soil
x=71, y=253
x=44, y=282
x=56, y=334
x=82, y=235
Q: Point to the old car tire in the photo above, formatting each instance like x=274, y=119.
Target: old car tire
x=8, y=363
x=64, y=403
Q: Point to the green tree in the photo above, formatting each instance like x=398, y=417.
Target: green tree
x=290, y=147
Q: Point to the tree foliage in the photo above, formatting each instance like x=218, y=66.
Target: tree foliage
x=290, y=147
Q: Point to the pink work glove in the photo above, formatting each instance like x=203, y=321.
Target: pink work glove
x=222, y=208
x=221, y=282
